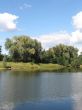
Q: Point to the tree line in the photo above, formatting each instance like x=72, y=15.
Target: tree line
x=26, y=49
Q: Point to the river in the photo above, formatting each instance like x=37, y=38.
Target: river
x=40, y=91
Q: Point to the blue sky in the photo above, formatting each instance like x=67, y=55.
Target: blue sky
x=49, y=21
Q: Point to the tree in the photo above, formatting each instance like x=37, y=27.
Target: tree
x=38, y=50
x=1, y=56
x=80, y=58
x=23, y=48
x=26, y=49
x=64, y=54
x=5, y=61
x=48, y=56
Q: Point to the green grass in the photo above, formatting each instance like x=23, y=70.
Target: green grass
x=31, y=67
x=81, y=66
x=50, y=67
x=2, y=66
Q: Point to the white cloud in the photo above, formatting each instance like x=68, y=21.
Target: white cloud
x=7, y=22
x=50, y=40
x=76, y=37
x=25, y=6
x=73, y=38
x=77, y=20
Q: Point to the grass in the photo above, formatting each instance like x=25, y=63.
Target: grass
x=50, y=67
x=80, y=66
x=31, y=67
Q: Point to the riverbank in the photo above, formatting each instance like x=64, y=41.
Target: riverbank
x=31, y=67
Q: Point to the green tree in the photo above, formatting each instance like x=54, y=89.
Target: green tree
x=48, y=56
x=80, y=58
x=65, y=55
x=5, y=61
x=1, y=55
x=23, y=48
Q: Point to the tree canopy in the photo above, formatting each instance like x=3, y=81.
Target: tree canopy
x=60, y=54
x=23, y=48
x=26, y=49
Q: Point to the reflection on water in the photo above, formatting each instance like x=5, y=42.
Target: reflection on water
x=69, y=69
x=58, y=104
x=47, y=105
x=40, y=91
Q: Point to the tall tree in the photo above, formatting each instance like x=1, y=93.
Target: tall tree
x=1, y=56
x=23, y=48
x=64, y=54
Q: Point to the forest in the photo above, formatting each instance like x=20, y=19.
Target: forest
x=25, y=49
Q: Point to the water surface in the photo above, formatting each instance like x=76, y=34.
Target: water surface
x=40, y=91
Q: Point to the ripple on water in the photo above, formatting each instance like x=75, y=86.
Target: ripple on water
x=6, y=106
x=64, y=103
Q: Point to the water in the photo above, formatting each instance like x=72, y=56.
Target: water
x=40, y=91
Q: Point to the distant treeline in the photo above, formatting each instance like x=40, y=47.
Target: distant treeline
x=26, y=49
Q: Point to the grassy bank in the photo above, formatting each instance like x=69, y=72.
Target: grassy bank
x=80, y=66
x=31, y=67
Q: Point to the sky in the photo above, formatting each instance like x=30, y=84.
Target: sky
x=49, y=21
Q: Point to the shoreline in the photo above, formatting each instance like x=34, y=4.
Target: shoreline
x=30, y=67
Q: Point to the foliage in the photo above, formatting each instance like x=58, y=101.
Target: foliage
x=60, y=54
x=48, y=56
x=23, y=48
x=65, y=54
x=80, y=58
x=26, y=49
x=75, y=63
x=4, y=61
x=1, y=56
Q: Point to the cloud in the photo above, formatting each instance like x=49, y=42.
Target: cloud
x=25, y=6
x=7, y=22
x=50, y=40
x=77, y=20
x=74, y=38
x=53, y=39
